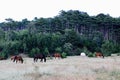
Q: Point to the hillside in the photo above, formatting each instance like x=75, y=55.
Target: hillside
x=71, y=32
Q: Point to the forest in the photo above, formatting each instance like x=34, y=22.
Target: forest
x=69, y=33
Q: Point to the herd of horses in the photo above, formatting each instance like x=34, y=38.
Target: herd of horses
x=18, y=58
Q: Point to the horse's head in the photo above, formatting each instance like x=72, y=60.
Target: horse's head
x=12, y=57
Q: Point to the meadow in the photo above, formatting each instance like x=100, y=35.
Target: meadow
x=70, y=68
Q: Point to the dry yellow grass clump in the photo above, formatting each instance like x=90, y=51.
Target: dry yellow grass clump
x=71, y=68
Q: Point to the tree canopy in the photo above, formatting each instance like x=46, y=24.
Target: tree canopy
x=70, y=32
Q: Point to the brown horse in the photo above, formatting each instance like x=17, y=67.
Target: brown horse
x=39, y=56
x=99, y=54
x=57, y=55
x=17, y=58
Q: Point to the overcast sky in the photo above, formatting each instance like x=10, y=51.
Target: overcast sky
x=21, y=9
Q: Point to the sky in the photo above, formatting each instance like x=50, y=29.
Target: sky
x=21, y=9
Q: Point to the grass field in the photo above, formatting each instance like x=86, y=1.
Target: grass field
x=71, y=68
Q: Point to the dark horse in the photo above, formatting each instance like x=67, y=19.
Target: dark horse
x=57, y=55
x=17, y=58
x=39, y=56
x=99, y=54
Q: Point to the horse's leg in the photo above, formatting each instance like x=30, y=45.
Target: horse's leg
x=34, y=59
x=44, y=59
x=16, y=60
x=41, y=60
x=103, y=56
x=55, y=56
x=59, y=57
x=19, y=60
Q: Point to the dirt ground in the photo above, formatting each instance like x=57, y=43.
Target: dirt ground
x=70, y=68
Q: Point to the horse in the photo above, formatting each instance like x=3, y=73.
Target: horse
x=57, y=55
x=99, y=54
x=17, y=58
x=39, y=56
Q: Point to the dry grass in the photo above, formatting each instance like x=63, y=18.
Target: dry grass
x=71, y=68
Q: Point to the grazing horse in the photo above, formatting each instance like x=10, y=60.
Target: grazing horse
x=40, y=56
x=99, y=54
x=57, y=55
x=17, y=58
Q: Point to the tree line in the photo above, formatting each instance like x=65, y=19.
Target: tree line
x=70, y=32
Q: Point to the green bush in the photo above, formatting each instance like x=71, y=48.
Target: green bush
x=64, y=55
x=58, y=49
x=91, y=55
x=86, y=51
x=109, y=47
x=3, y=55
x=77, y=51
x=118, y=54
x=68, y=48
x=46, y=51
x=34, y=51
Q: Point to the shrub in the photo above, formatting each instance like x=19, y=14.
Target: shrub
x=86, y=51
x=58, y=49
x=91, y=55
x=68, y=48
x=109, y=48
x=64, y=55
x=77, y=51
x=34, y=51
x=46, y=51
x=3, y=55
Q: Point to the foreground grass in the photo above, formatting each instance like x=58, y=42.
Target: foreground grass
x=71, y=68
